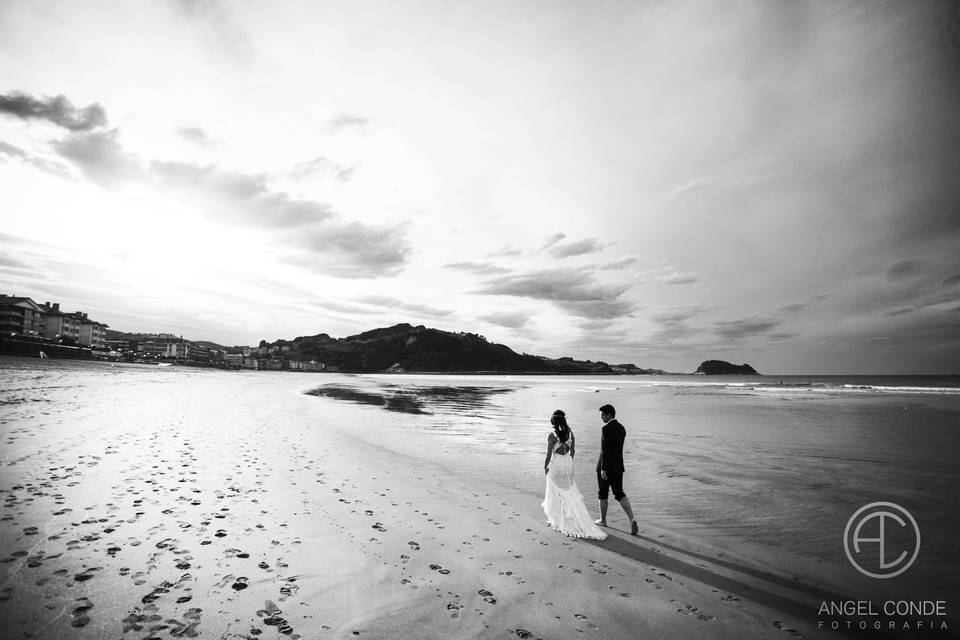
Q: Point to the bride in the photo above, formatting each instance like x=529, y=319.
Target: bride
x=563, y=503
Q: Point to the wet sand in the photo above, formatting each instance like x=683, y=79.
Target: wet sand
x=209, y=504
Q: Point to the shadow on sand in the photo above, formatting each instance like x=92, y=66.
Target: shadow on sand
x=793, y=598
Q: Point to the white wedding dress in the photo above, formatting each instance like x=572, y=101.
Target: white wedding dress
x=563, y=503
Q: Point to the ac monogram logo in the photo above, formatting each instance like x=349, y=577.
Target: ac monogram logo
x=890, y=547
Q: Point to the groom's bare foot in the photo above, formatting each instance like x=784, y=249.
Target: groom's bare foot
x=602, y=523
x=633, y=527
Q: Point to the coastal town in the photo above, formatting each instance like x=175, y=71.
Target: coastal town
x=32, y=329
x=29, y=328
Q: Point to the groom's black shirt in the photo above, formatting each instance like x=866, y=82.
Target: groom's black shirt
x=611, y=447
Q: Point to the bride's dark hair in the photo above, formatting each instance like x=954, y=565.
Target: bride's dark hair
x=559, y=422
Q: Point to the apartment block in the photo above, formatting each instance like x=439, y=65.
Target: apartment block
x=21, y=316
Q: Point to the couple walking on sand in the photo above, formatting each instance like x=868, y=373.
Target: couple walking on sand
x=563, y=503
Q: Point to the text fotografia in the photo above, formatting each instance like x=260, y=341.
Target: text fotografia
x=890, y=615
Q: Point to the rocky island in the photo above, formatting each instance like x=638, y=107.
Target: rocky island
x=722, y=368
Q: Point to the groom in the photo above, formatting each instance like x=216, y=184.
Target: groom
x=610, y=466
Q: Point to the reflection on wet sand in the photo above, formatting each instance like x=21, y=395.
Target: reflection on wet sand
x=414, y=399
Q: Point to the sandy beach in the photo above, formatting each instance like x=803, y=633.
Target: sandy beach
x=191, y=503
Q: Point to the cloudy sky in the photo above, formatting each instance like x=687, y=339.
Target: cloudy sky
x=652, y=182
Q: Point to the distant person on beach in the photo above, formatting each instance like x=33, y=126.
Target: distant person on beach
x=563, y=503
x=610, y=466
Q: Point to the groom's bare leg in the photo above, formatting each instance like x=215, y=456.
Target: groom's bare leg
x=603, y=511
x=625, y=503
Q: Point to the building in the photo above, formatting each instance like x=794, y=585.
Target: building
x=121, y=345
x=21, y=316
x=234, y=359
x=58, y=325
x=92, y=334
x=169, y=346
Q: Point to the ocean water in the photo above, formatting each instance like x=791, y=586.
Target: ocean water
x=765, y=469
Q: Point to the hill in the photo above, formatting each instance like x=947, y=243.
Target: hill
x=721, y=368
x=418, y=348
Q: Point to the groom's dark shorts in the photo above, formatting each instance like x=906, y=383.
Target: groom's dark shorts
x=614, y=481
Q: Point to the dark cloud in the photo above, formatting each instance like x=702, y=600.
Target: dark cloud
x=674, y=323
x=595, y=325
x=20, y=155
x=57, y=110
x=619, y=263
x=352, y=250
x=480, y=268
x=343, y=121
x=325, y=243
x=16, y=268
x=607, y=309
x=578, y=248
x=552, y=240
x=573, y=290
x=101, y=158
x=783, y=336
x=920, y=299
x=239, y=196
x=674, y=315
x=899, y=311
x=10, y=150
x=905, y=269
x=196, y=135
x=506, y=252
x=553, y=284
x=511, y=320
x=388, y=302
x=744, y=328
x=322, y=166
x=928, y=343
x=678, y=278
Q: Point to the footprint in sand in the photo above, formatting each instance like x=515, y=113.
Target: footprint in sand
x=86, y=574
x=240, y=584
x=78, y=614
x=779, y=625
